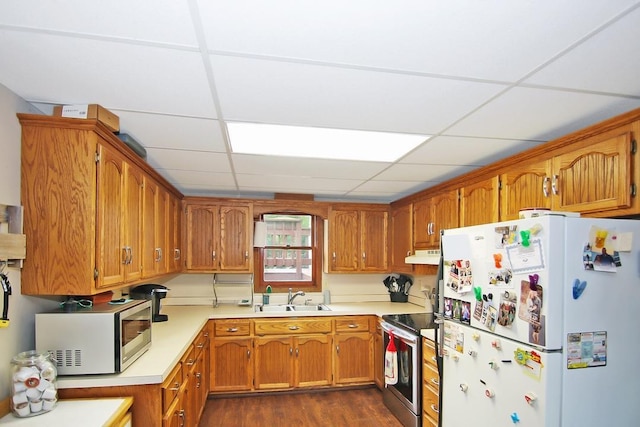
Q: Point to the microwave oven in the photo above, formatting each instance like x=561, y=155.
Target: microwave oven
x=102, y=339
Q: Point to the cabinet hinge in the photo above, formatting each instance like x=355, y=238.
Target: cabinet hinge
x=97, y=157
x=95, y=273
x=634, y=146
x=633, y=190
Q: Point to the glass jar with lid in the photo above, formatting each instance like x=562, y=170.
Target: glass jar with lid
x=33, y=383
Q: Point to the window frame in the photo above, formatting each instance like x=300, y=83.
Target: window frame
x=317, y=231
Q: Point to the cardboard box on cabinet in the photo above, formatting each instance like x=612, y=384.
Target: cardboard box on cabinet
x=89, y=111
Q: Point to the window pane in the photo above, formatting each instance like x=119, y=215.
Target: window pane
x=288, y=230
x=290, y=265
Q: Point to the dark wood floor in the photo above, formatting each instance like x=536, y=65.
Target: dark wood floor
x=353, y=408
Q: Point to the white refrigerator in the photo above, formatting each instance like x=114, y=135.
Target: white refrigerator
x=541, y=323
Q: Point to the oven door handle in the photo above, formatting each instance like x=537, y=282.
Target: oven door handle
x=412, y=339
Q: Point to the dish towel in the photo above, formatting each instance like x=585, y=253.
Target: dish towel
x=391, y=362
x=404, y=363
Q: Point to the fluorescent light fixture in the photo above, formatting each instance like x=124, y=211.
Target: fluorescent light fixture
x=322, y=143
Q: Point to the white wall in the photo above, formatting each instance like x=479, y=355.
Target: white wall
x=19, y=336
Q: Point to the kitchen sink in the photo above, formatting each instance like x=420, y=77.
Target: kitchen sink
x=288, y=307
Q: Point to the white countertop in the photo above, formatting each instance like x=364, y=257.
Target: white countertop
x=170, y=339
x=76, y=412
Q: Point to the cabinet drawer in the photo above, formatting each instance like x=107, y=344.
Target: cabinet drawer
x=429, y=353
x=188, y=360
x=171, y=387
x=352, y=324
x=202, y=340
x=431, y=377
x=430, y=404
x=292, y=326
x=232, y=327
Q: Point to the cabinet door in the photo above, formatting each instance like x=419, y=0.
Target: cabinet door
x=378, y=354
x=354, y=358
x=133, y=190
x=202, y=250
x=110, y=244
x=150, y=251
x=231, y=364
x=174, y=256
x=445, y=214
x=343, y=240
x=164, y=255
x=312, y=360
x=479, y=202
x=401, y=238
x=236, y=224
x=525, y=186
x=374, y=234
x=596, y=177
x=422, y=224
x=274, y=363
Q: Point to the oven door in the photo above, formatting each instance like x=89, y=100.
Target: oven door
x=407, y=389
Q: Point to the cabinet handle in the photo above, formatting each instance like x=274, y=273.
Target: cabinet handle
x=198, y=376
x=297, y=352
x=130, y=254
x=338, y=349
x=294, y=328
x=246, y=254
x=213, y=255
x=334, y=256
x=248, y=354
x=232, y=329
x=175, y=387
x=353, y=325
x=364, y=256
x=125, y=256
x=545, y=186
x=191, y=362
x=201, y=345
x=408, y=253
x=435, y=381
x=176, y=254
x=554, y=185
x=182, y=417
x=434, y=408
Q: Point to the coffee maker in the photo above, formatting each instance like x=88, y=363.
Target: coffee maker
x=154, y=293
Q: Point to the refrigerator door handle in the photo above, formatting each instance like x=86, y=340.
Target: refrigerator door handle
x=439, y=320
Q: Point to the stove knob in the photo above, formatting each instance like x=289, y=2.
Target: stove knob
x=464, y=387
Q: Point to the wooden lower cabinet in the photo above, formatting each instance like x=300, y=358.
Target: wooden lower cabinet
x=270, y=354
x=430, y=385
x=178, y=401
x=231, y=363
x=353, y=357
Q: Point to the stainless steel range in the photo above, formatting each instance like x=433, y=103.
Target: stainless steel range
x=404, y=398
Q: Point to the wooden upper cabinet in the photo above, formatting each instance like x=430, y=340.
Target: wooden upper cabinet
x=594, y=176
x=479, y=202
x=401, y=238
x=430, y=215
x=82, y=193
x=236, y=228
x=112, y=252
x=219, y=238
x=525, y=186
x=358, y=240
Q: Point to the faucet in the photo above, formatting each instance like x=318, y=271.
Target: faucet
x=293, y=296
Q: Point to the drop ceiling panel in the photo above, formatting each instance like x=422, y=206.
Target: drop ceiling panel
x=295, y=166
x=420, y=172
x=166, y=21
x=283, y=183
x=463, y=38
x=457, y=150
x=538, y=114
x=164, y=131
x=302, y=94
x=188, y=160
x=595, y=65
x=115, y=75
